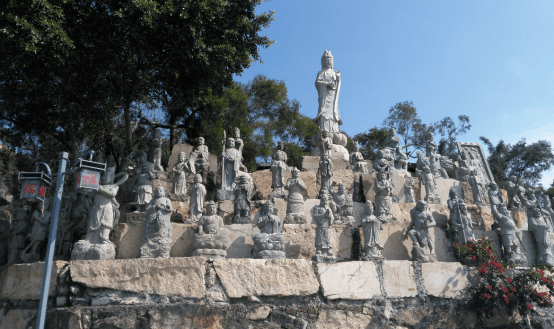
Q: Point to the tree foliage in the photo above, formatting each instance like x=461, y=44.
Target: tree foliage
x=525, y=161
x=372, y=141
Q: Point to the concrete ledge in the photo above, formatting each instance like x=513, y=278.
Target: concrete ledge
x=349, y=280
x=24, y=281
x=264, y=277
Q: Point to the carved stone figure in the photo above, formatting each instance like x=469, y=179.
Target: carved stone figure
x=143, y=174
x=328, y=84
x=103, y=218
x=157, y=229
x=323, y=216
x=461, y=225
x=326, y=142
x=510, y=235
x=513, y=199
x=155, y=148
x=409, y=186
x=357, y=162
x=270, y=242
x=540, y=225
x=229, y=165
x=16, y=235
x=239, y=143
x=111, y=166
x=371, y=226
x=464, y=166
x=210, y=241
x=547, y=205
x=418, y=231
x=39, y=232
x=342, y=206
x=478, y=188
x=77, y=226
x=392, y=141
x=242, y=203
x=278, y=171
x=383, y=197
x=295, y=200
x=197, y=192
x=434, y=158
x=495, y=195
x=401, y=162
x=427, y=178
x=385, y=160
x=198, y=160
x=325, y=172
x=179, y=170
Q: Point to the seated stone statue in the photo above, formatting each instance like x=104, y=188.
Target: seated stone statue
x=211, y=240
x=513, y=199
x=371, y=226
x=418, y=231
x=39, y=232
x=324, y=218
x=157, y=229
x=357, y=162
x=295, y=200
x=392, y=140
x=510, y=235
x=540, y=225
x=270, y=242
x=342, y=206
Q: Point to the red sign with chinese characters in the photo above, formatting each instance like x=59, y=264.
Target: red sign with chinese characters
x=33, y=189
x=88, y=179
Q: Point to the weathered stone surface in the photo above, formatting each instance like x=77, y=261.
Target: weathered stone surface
x=443, y=188
x=212, y=159
x=162, y=276
x=448, y=280
x=180, y=211
x=24, y=281
x=259, y=313
x=398, y=279
x=333, y=319
x=300, y=241
x=349, y=280
x=265, y=277
x=521, y=219
x=263, y=181
x=18, y=319
x=240, y=240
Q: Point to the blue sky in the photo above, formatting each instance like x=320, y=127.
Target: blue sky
x=490, y=60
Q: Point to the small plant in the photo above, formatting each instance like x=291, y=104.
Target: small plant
x=500, y=289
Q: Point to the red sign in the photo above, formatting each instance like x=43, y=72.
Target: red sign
x=88, y=179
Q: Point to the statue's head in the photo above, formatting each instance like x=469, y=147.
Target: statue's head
x=110, y=159
x=141, y=156
x=324, y=199
x=453, y=193
x=281, y=145
x=463, y=206
x=198, y=178
x=341, y=188
x=201, y=141
x=243, y=180
x=493, y=186
x=211, y=208
x=327, y=60
x=381, y=175
x=107, y=178
x=419, y=154
x=160, y=192
x=295, y=172
x=392, y=131
x=421, y=205
x=182, y=156
x=230, y=143
x=356, y=146
x=536, y=211
x=324, y=134
x=268, y=207
x=430, y=135
x=513, y=179
x=369, y=207
x=237, y=133
x=157, y=133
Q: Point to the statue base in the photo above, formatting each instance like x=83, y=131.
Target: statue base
x=516, y=259
x=345, y=220
x=242, y=220
x=269, y=246
x=545, y=260
x=225, y=194
x=210, y=253
x=295, y=218
x=278, y=192
x=422, y=255
x=84, y=250
x=373, y=253
x=336, y=152
x=432, y=199
x=324, y=258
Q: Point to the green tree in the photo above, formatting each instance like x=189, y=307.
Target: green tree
x=525, y=161
x=372, y=141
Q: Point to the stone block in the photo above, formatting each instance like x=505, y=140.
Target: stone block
x=349, y=280
x=446, y=280
x=176, y=276
x=398, y=279
x=17, y=318
x=332, y=319
x=300, y=241
x=265, y=277
x=24, y=281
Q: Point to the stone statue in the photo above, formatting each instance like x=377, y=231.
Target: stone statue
x=434, y=158
x=325, y=172
x=427, y=178
x=111, y=166
x=179, y=170
x=384, y=161
x=495, y=195
x=198, y=159
x=270, y=242
x=77, y=226
x=392, y=141
x=210, y=241
x=278, y=171
x=548, y=206
x=371, y=226
x=418, y=231
x=464, y=166
x=357, y=162
x=540, y=225
x=342, y=206
x=409, y=186
x=462, y=225
x=401, y=162
x=16, y=236
x=328, y=84
x=157, y=229
x=229, y=165
x=323, y=216
x=197, y=192
x=39, y=232
x=383, y=197
x=453, y=204
x=239, y=143
x=104, y=216
x=295, y=200
x=143, y=174
x=513, y=199
x=478, y=188
x=326, y=142
x=242, y=203
x=155, y=148
x=510, y=235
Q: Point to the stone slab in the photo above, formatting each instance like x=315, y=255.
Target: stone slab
x=176, y=276
x=398, y=279
x=445, y=280
x=266, y=277
x=349, y=280
x=333, y=319
x=24, y=281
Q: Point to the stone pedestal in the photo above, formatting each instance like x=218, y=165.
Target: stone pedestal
x=269, y=246
x=210, y=245
x=84, y=250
